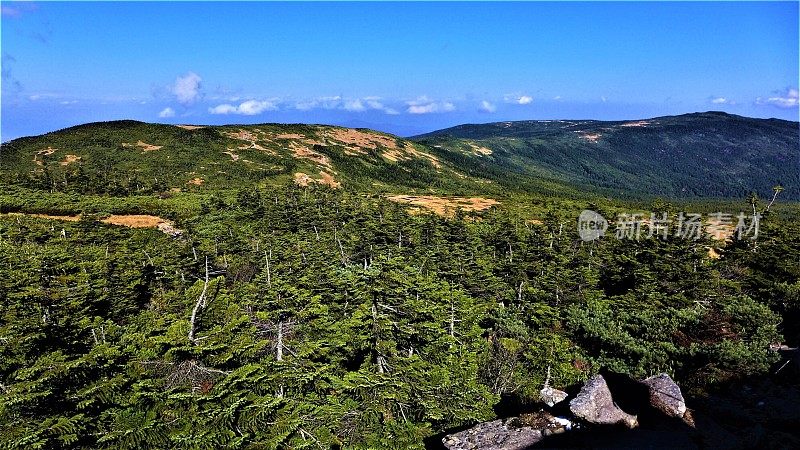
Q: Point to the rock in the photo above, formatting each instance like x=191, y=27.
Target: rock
x=494, y=435
x=595, y=405
x=665, y=395
x=552, y=396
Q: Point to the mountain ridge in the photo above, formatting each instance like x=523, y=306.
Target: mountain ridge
x=696, y=155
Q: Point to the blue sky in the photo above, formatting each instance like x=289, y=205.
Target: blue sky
x=403, y=68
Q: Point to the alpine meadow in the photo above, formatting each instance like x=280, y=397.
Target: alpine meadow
x=245, y=246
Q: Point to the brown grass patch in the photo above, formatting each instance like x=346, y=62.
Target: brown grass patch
x=362, y=139
x=408, y=152
x=69, y=159
x=302, y=152
x=197, y=181
x=190, y=127
x=445, y=206
x=134, y=220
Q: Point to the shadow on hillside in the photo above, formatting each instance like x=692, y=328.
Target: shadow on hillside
x=755, y=412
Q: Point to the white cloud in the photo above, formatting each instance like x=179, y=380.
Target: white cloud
x=787, y=100
x=525, y=100
x=187, y=88
x=354, y=106
x=487, y=107
x=557, y=98
x=68, y=102
x=518, y=99
x=719, y=100
x=166, y=112
x=423, y=105
x=247, y=108
x=603, y=98
x=376, y=104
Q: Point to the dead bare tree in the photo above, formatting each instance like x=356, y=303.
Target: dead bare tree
x=776, y=190
x=200, y=304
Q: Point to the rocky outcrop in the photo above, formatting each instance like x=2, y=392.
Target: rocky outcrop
x=594, y=404
x=665, y=395
x=513, y=433
x=494, y=435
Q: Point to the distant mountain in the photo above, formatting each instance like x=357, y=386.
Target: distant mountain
x=710, y=154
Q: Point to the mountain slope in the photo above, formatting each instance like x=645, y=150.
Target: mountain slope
x=694, y=155
x=127, y=156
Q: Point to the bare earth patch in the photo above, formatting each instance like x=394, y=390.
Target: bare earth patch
x=143, y=145
x=480, y=151
x=125, y=220
x=302, y=179
x=69, y=159
x=242, y=135
x=719, y=230
x=44, y=152
x=445, y=206
x=591, y=137
x=290, y=136
x=190, y=127
x=233, y=156
x=48, y=216
x=197, y=181
x=329, y=180
x=638, y=123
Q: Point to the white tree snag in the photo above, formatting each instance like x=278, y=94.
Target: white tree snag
x=201, y=303
x=279, y=347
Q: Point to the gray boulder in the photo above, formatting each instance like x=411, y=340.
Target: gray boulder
x=495, y=435
x=594, y=404
x=665, y=395
x=552, y=396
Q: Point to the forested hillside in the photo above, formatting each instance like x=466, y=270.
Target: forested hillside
x=709, y=154
x=167, y=287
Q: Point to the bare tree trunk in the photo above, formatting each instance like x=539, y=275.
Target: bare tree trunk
x=341, y=248
x=279, y=347
x=201, y=303
x=269, y=276
x=452, y=319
